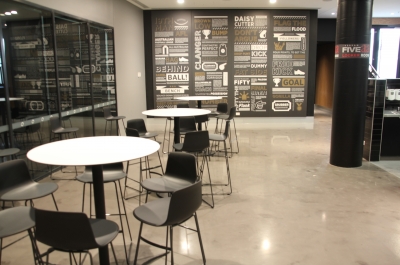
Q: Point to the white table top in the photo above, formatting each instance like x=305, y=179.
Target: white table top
x=97, y=150
x=176, y=112
x=199, y=98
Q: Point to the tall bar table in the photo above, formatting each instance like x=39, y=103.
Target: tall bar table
x=199, y=99
x=176, y=113
x=95, y=152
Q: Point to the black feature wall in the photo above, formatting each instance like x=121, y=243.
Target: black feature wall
x=260, y=61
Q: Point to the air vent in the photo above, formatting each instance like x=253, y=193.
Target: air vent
x=138, y=4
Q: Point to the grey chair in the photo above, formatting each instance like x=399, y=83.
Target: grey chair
x=112, y=173
x=16, y=184
x=59, y=131
x=9, y=152
x=17, y=220
x=140, y=126
x=73, y=232
x=147, y=168
x=222, y=109
x=180, y=172
x=198, y=143
x=170, y=212
x=110, y=118
x=231, y=117
x=168, y=130
x=217, y=138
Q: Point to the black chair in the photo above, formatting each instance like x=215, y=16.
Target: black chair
x=112, y=173
x=187, y=124
x=110, y=118
x=147, y=168
x=59, y=131
x=231, y=117
x=16, y=220
x=201, y=119
x=222, y=108
x=16, y=184
x=180, y=172
x=73, y=232
x=198, y=143
x=217, y=138
x=140, y=126
x=168, y=128
x=170, y=212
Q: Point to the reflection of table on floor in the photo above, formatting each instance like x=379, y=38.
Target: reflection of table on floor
x=198, y=99
x=95, y=152
x=176, y=113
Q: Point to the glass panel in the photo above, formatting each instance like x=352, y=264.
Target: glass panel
x=102, y=45
x=388, y=52
x=29, y=58
x=74, y=75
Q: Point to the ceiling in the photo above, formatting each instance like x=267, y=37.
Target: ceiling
x=381, y=8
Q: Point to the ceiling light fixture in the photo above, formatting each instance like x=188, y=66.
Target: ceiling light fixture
x=181, y=1
x=2, y=15
x=272, y=1
x=7, y=13
x=333, y=13
x=14, y=12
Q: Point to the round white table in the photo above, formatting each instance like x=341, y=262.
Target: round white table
x=95, y=152
x=176, y=113
x=198, y=99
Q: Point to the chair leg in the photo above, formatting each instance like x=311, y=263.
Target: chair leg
x=169, y=136
x=237, y=140
x=138, y=243
x=172, y=244
x=166, y=246
x=115, y=256
x=54, y=200
x=200, y=241
x=120, y=220
x=209, y=178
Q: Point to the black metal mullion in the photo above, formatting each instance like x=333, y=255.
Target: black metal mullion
x=91, y=79
x=56, y=63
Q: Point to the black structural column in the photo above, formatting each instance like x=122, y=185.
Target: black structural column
x=353, y=30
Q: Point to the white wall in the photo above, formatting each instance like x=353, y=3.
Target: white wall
x=127, y=21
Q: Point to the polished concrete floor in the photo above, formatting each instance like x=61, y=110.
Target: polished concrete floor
x=289, y=205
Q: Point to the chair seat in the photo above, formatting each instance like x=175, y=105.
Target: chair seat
x=66, y=130
x=153, y=213
x=107, y=177
x=217, y=137
x=28, y=191
x=178, y=146
x=148, y=134
x=222, y=116
x=113, y=118
x=165, y=184
x=9, y=151
x=15, y=220
x=104, y=231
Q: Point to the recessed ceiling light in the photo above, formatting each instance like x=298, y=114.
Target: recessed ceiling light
x=7, y=13
x=272, y=1
x=14, y=12
x=181, y=1
x=392, y=14
x=333, y=13
x=2, y=15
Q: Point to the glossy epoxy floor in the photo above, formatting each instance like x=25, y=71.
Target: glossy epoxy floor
x=289, y=205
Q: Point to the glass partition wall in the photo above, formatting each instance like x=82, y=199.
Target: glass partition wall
x=52, y=65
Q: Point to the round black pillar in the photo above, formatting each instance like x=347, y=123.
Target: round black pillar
x=353, y=30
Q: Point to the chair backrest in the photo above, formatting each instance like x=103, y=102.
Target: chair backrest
x=107, y=112
x=13, y=173
x=187, y=124
x=182, y=105
x=232, y=113
x=137, y=124
x=184, y=203
x=108, y=168
x=201, y=118
x=182, y=166
x=55, y=123
x=64, y=230
x=222, y=107
x=196, y=141
x=132, y=132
